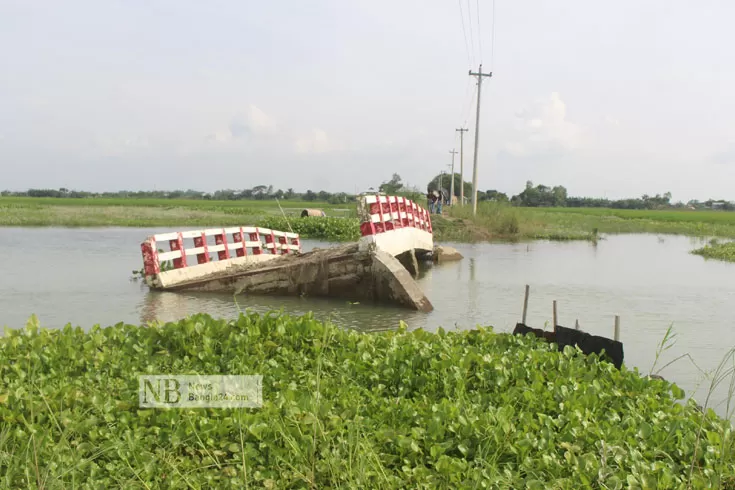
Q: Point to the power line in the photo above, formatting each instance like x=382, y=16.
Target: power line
x=466, y=112
x=464, y=32
x=472, y=39
x=492, y=44
x=479, y=32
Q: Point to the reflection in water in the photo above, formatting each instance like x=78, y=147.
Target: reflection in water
x=651, y=284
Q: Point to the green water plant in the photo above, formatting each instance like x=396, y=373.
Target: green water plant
x=717, y=250
x=332, y=229
x=344, y=409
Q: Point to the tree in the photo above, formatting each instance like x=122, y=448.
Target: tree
x=259, y=191
x=541, y=195
x=446, y=184
x=493, y=195
x=392, y=186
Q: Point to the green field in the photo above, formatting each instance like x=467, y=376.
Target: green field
x=344, y=409
x=20, y=211
x=493, y=221
x=502, y=222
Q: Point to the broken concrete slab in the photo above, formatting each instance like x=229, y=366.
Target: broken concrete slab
x=443, y=254
x=343, y=271
x=409, y=261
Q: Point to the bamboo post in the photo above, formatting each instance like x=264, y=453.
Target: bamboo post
x=555, y=322
x=576, y=324
x=525, y=305
x=617, y=328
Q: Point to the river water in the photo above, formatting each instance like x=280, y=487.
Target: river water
x=82, y=277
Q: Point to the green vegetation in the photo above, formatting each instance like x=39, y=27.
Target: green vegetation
x=21, y=211
x=330, y=229
x=718, y=251
x=500, y=221
x=494, y=220
x=346, y=409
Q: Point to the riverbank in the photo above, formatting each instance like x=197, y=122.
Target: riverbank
x=493, y=222
x=340, y=408
x=502, y=222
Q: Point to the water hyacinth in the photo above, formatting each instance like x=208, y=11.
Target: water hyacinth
x=396, y=409
x=323, y=228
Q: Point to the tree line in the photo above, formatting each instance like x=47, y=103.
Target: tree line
x=532, y=196
x=259, y=192
x=556, y=196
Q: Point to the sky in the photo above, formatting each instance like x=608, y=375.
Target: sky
x=609, y=99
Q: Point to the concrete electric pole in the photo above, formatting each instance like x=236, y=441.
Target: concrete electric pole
x=451, y=185
x=461, y=164
x=480, y=75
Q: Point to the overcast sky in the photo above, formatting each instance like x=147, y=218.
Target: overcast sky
x=606, y=98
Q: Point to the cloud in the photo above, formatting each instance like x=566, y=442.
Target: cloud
x=253, y=122
x=612, y=121
x=316, y=141
x=259, y=121
x=543, y=129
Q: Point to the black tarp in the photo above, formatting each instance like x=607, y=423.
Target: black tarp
x=589, y=344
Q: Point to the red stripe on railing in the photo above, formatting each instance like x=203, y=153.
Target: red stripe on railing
x=201, y=242
x=178, y=244
x=385, y=212
x=255, y=237
x=151, y=266
x=152, y=258
x=222, y=240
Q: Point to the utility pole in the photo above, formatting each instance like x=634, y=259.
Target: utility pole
x=461, y=164
x=479, y=76
x=451, y=186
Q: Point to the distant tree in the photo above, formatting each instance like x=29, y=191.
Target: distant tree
x=541, y=195
x=310, y=195
x=259, y=191
x=392, y=186
x=493, y=195
x=446, y=184
x=290, y=194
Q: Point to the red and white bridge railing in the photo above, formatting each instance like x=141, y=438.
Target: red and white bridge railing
x=394, y=223
x=213, y=246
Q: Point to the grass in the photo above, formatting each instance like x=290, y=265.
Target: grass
x=718, y=251
x=493, y=222
x=501, y=222
x=20, y=211
x=497, y=221
x=396, y=409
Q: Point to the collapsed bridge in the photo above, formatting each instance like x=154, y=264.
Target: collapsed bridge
x=395, y=233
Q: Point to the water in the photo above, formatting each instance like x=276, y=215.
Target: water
x=82, y=277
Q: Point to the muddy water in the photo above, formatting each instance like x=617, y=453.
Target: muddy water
x=82, y=276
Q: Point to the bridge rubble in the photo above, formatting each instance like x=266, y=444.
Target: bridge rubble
x=394, y=232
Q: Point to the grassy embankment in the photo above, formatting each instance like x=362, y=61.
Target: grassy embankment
x=493, y=221
x=398, y=409
x=19, y=211
x=502, y=222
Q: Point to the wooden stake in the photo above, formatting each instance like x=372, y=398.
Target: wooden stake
x=525, y=305
x=576, y=324
x=616, y=335
x=555, y=322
